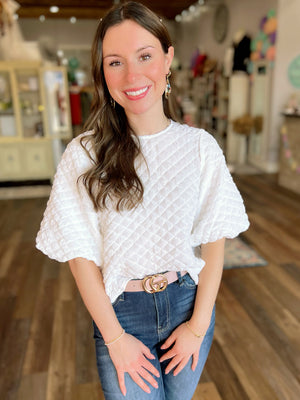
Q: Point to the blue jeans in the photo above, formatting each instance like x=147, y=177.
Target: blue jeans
x=151, y=318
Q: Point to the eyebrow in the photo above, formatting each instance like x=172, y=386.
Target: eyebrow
x=138, y=51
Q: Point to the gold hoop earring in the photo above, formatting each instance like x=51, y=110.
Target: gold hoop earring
x=168, y=85
x=112, y=102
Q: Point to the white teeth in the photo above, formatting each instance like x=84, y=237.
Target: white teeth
x=137, y=92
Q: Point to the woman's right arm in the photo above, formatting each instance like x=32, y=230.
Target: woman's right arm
x=128, y=354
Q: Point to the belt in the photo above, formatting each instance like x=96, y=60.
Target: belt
x=153, y=283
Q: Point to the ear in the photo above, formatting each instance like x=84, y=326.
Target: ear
x=169, y=58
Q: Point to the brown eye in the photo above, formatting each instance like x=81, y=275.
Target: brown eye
x=145, y=57
x=114, y=63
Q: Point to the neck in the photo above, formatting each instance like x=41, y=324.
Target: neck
x=148, y=123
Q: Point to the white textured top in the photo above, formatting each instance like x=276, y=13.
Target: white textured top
x=189, y=199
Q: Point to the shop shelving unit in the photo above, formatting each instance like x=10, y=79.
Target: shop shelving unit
x=35, y=120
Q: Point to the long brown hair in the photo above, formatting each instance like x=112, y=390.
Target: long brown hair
x=113, y=175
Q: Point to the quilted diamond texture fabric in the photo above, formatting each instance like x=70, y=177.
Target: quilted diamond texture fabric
x=189, y=199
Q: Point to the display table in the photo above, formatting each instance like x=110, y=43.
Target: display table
x=289, y=171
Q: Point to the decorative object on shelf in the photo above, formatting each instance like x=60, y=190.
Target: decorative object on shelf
x=243, y=125
x=221, y=22
x=294, y=165
x=258, y=123
x=198, y=64
x=293, y=105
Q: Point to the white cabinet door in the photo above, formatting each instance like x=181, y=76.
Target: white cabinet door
x=10, y=162
x=38, y=160
x=26, y=161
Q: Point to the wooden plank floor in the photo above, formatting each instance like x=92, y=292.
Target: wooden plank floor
x=46, y=345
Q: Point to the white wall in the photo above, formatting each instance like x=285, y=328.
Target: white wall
x=61, y=31
x=64, y=33
x=287, y=48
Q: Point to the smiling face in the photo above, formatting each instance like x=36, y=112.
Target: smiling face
x=135, y=68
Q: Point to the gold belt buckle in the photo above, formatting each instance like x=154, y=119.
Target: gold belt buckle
x=152, y=286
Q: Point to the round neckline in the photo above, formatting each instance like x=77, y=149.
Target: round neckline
x=157, y=134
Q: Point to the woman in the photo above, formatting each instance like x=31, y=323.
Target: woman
x=132, y=200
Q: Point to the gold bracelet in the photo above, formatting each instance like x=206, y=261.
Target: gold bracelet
x=194, y=333
x=115, y=340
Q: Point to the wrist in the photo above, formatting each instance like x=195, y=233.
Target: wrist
x=116, y=339
x=198, y=326
x=197, y=333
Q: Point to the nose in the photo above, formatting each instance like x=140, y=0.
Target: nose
x=132, y=72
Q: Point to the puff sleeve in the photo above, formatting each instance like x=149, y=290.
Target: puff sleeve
x=220, y=212
x=70, y=226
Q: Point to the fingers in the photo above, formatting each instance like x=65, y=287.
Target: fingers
x=139, y=377
x=139, y=381
x=180, y=361
x=121, y=380
x=169, y=354
x=139, y=374
x=195, y=361
x=148, y=377
x=177, y=360
x=148, y=366
x=180, y=366
x=147, y=353
x=171, y=339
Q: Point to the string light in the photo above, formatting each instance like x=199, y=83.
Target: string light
x=192, y=12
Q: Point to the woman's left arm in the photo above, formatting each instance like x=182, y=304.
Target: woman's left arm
x=184, y=340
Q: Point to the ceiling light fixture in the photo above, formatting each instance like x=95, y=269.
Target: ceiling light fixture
x=54, y=9
x=73, y=20
x=42, y=18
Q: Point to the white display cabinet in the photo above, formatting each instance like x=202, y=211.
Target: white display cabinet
x=34, y=119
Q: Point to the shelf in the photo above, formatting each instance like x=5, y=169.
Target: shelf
x=32, y=114
x=293, y=115
x=3, y=113
x=28, y=91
